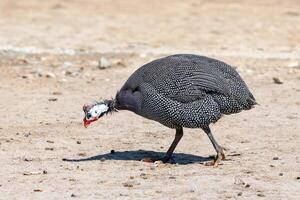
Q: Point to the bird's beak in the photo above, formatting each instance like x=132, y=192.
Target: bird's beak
x=86, y=122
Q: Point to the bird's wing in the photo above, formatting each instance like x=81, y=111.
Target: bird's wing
x=196, y=84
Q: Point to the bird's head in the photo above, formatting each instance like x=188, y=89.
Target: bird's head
x=95, y=111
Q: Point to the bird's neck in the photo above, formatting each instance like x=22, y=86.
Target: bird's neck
x=111, y=103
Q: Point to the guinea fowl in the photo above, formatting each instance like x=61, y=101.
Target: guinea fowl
x=179, y=91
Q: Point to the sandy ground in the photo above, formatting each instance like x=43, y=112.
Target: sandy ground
x=49, y=52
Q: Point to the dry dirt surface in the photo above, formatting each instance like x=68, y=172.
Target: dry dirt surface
x=49, y=62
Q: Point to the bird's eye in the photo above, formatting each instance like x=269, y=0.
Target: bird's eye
x=88, y=116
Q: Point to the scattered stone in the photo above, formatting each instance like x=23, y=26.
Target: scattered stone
x=277, y=80
x=81, y=154
x=143, y=176
x=260, y=195
x=67, y=73
x=298, y=178
x=131, y=177
x=73, y=195
x=234, y=154
x=50, y=141
x=27, y=134
x=37, y=73
x=172, y=177
x=34, y=173
x=28, y=159
x=103, y=63
x=102, y=159
x=239, y=181
x=280, y=174
x=50, y=75
x=52, y=99
x=49, y=148
x=112, y=151
x=78, y=142
x=57, y=93
x=275, y=158
x=247, y=185
x=38, y=190
x=128, y=184
x=24, y=76
x=240, y=194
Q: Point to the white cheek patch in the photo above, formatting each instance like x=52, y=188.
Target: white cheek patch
x=98, y=109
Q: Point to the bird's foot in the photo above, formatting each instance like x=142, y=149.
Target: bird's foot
x=217, y=161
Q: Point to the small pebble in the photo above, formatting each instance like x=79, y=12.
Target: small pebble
x=247, y=185
x=127, y=184
x=81, y=154
x=102, y=159
x=298, y=178
x=50, y=141
x=260, y=195
x=73, y=195
x=277, y=80
x=280, y=174
x=112, y=151
x=57, y=93
x=38, y=190
x=52, y=99
x=78, y=142
x=143, y=175
x=49, y=148
x=103, y=63
x=275, y=158
x=50, y=75
x=240, y=194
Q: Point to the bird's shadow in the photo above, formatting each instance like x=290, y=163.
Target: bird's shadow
x=180, y=158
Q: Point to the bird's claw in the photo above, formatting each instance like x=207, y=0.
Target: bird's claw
x=217, y=161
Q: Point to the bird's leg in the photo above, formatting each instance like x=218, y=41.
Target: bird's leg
x=166, y=158
x=178, y=136
x=220, y=153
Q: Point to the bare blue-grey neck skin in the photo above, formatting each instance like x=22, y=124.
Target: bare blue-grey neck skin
x=95, y=111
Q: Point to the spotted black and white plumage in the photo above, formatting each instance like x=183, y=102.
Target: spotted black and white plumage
x=184, y=90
